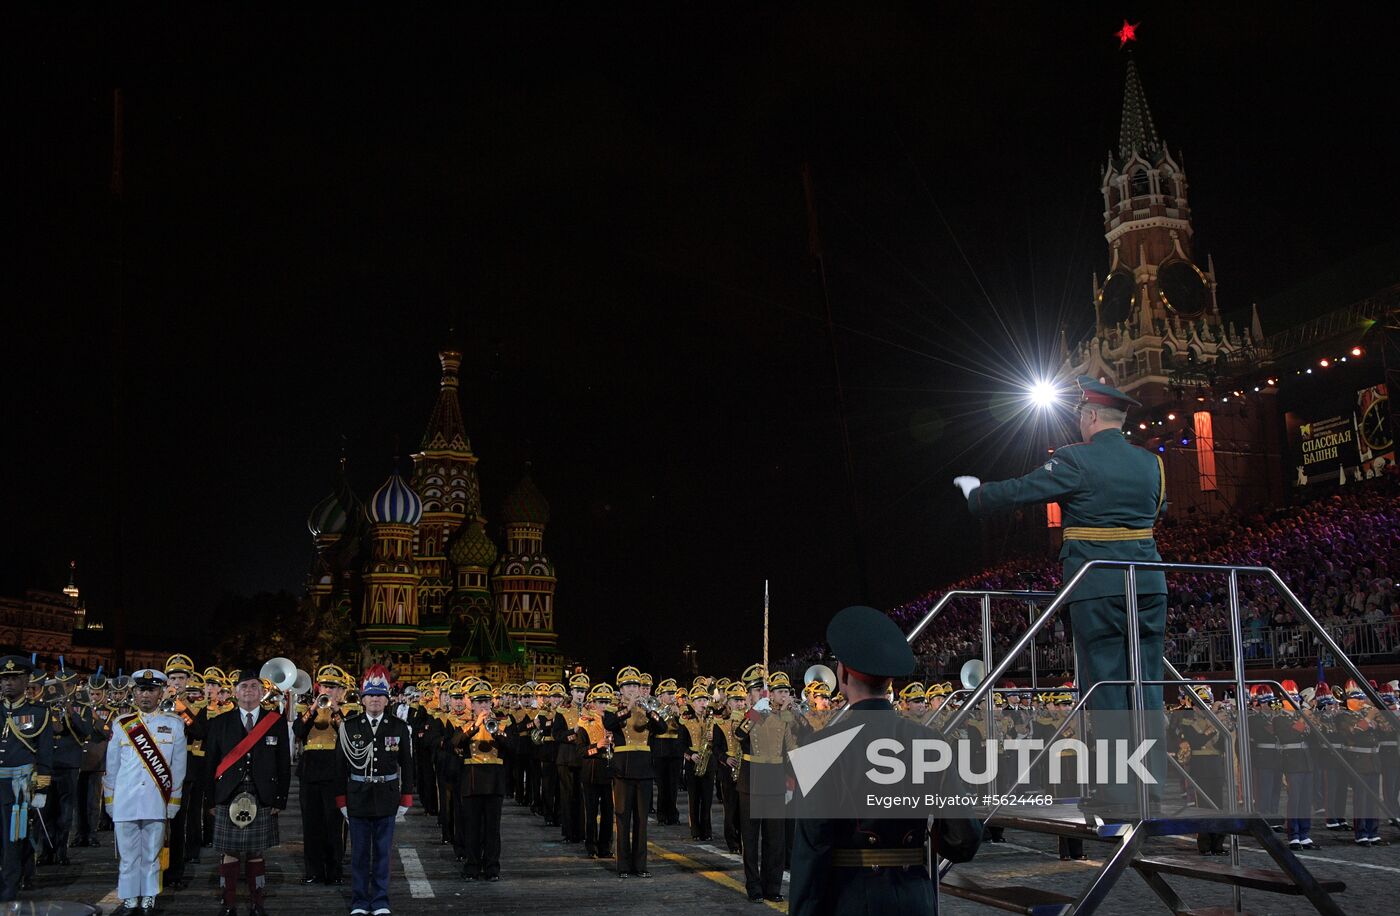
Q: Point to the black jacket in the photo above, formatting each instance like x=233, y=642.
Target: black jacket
x=632, y=731
x=818, y=887
x=70, y=733
x=392, y=755
x=269, y=761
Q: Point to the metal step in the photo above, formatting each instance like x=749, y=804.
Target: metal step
x=1069, y=825
x=1259, y=879
x=1031, y=901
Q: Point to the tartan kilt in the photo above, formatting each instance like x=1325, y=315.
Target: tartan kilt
x=261, y=834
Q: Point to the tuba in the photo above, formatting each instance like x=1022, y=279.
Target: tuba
x=820, y=673
x=973, y=671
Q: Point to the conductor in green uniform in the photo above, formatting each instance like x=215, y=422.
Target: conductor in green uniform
x=1110, y=493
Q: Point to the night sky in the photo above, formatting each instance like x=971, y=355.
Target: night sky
x=606, y=213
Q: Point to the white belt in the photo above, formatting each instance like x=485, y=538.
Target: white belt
x=1292, y=747
x=1364, y=750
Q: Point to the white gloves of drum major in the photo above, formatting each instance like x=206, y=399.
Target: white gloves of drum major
x=967, y=485
x=38, y=801
x=345, y=813
x=403, y=809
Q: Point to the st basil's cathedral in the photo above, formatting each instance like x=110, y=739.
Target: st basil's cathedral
x=415, y=570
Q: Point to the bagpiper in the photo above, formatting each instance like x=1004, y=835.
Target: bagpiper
x=247, y=787
x=142, y=789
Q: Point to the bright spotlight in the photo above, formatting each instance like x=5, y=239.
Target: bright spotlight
x=1041, y=394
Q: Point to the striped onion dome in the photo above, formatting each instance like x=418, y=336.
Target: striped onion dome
x=525, y=503
x=328, y=517
x=471, y=547
x=395, y=502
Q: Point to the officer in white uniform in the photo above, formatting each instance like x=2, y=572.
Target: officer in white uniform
x=135, y=789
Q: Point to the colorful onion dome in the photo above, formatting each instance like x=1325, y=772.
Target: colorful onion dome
x=525, y=504
x=329, y=517
x=471, y=547
x=395, y=502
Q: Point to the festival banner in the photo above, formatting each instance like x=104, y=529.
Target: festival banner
x=1342, y=439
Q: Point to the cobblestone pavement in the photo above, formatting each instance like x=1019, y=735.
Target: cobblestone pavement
x=541, y=876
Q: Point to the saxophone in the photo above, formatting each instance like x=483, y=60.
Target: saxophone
x=702, y=761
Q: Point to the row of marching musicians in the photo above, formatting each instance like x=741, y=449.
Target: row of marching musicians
x=595, y=761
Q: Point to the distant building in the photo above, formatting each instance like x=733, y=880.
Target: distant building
x=414, y=568
x=55, y=625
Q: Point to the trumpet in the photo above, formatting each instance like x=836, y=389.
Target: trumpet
x=324, y=701
x=492, y=725
x=167, y=705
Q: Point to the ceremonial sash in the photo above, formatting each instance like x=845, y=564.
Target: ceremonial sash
x=260, y=728
x=149, y=752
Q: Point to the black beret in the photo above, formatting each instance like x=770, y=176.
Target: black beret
x=866, y=640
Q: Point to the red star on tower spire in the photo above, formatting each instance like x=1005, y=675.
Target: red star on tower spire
x=1127, y=33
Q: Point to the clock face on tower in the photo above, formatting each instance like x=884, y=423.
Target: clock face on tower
x=1183, y=289
x=1375, y=428
x=1116, y=299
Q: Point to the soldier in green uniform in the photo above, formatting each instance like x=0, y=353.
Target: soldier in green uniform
x=870, y=865
x=1110, y=493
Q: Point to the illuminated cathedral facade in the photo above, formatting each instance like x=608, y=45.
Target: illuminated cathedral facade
x=415, y=569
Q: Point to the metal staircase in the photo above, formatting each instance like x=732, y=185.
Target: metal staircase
x=1237, y=817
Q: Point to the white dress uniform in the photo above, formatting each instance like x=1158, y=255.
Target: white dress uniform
x=133, y=800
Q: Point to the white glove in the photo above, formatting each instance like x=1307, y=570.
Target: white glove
x=345, y=813
x=762, y=705
x=402, y=811
x=967, y=485
x=38, y=801
x=171, y=810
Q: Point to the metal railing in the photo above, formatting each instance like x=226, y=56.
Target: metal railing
x=980, y=695
x=1210, y=650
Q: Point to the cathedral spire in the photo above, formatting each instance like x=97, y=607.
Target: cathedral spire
x=446, y=432
x=1136, y=133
